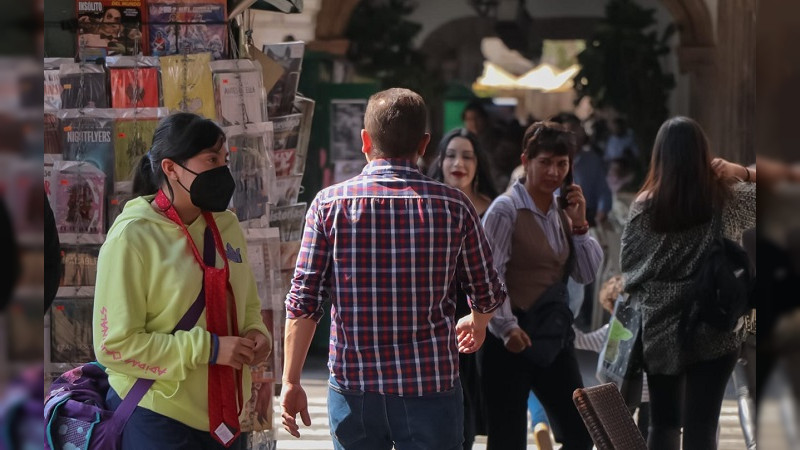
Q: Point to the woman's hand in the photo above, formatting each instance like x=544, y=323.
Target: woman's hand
x=235, y=351
x=729, y=171
x=576, y=210
x=263, y=346
x=518, y=340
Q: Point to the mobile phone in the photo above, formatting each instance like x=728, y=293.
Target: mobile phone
x=562, y=196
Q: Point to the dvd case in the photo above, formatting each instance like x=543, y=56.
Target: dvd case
x=187, y=85
x=110, y=27
x=290, y=56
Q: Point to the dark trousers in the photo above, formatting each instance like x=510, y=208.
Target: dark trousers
x=692, y=400
x=147, y=430
x=507, y=378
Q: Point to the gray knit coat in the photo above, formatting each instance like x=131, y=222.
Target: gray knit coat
x=658, y=269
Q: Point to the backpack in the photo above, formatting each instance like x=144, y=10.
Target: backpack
x=722, y=289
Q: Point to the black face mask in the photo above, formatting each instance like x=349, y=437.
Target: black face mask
x=211, y=190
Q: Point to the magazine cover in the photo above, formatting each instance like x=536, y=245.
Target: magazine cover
x=52, y=90
x=290, y=56
x=287, y=189
x=83, y=86
x=238, y=93
x=306, y=108
x=132, y=139
x=252, y=168
x=79, y=197
x=347, y=121
x=289, y=220
x=285, y=140
x=71, y=330
x=134, y=88
x=263, y=253
x=186, y=84
x=110, y=27
x=178, y=27
x=88, y=137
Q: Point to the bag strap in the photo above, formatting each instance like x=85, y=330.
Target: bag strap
x=141, y=386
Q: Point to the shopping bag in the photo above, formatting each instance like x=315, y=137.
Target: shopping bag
x=620, y=360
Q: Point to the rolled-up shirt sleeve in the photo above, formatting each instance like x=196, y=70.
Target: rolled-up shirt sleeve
x=484, y=289
x=588, y=256
x=307, y=292
x=498, y=223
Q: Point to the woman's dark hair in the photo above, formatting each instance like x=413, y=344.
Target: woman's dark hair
x=482, y=183
x=684, y=190
x=178, y=137
x=551, y=137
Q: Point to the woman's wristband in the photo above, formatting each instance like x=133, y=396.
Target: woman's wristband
x=581, y=229
x=747, y=176
x=214, y=349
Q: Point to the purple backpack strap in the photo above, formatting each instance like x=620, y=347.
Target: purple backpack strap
x=135, y=395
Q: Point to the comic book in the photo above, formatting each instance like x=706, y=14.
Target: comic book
x=186, y=27
x=71, y=330
x=285, y=140
x=132, y=139
x=290, y=220
x=79, y=194
x=110, y=27
x=52, y=139
x=238, y=92
x=79, y=265
x=187, y=85
x=88, y=136
x=290, y=56
x=83, y=86
x=134, y=88
x=251, y=167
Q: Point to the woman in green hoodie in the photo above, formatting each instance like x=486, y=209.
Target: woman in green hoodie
x=150, y=272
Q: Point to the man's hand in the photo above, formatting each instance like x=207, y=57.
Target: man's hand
x=263, y=346
x=518, y=340
x=263, y=404
x=293, y=401
x=470, y=335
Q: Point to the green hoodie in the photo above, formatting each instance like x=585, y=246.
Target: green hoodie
x=147, y=277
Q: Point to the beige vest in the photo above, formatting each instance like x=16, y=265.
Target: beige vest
x=533, y=265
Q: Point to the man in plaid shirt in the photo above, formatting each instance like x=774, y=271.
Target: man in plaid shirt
x=387, y=247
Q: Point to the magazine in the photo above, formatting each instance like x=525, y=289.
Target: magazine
x=79, y=265
x=306, y=108
x=133, y=131
x=251, y=167
x=78, y=189
x=87, y=136
x=110, y=27
x=238, y=91
x=52, y=139
x=286, y=139
x=287, y=190
x=186, y=84
x=186, y=27
x=347, y=121
x=290, y=56
x=290, y=220
x=263, y=253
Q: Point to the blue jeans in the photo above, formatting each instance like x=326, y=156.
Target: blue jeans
x=372, y=421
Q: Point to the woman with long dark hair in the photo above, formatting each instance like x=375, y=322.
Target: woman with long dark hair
x=687, y=199
x=150, y=272
x=461, y=163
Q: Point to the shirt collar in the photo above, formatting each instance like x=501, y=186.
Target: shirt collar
x=384, y=165
x=526, y=201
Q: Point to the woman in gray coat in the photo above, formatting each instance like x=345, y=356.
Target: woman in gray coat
x=688, y=197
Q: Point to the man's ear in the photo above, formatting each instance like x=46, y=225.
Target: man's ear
x=423, y=144
x=366, y=144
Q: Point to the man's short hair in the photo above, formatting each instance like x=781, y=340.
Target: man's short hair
x=396, y=121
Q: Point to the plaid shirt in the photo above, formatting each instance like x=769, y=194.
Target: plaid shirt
x=387, y=247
